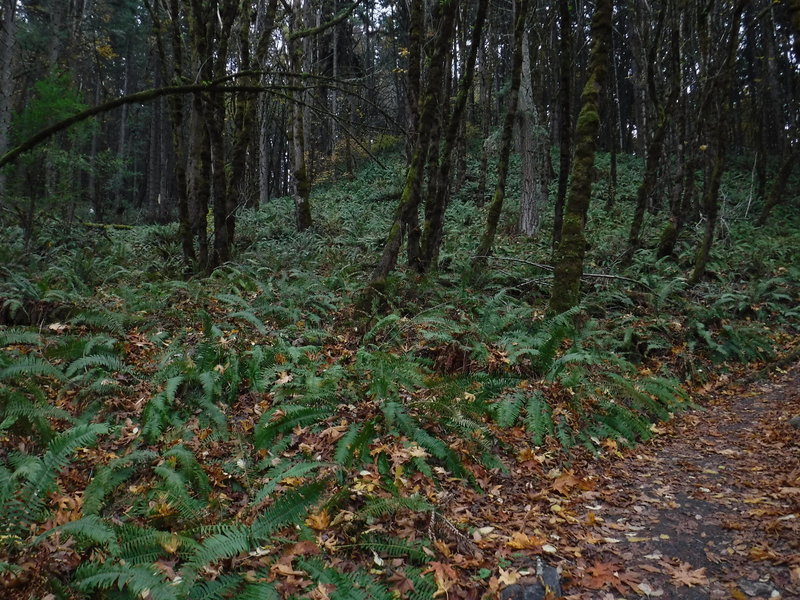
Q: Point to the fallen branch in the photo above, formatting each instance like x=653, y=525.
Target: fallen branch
x=549, y=268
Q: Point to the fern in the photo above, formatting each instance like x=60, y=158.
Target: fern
x=222, y=588
x=295, y=416
x=106, y=321
x=376, y=507
x=139, y=545
x=31, y=366
x=90, y=528
x=539, y=418
x=281, y=472
x=109, y=476
x=564, y=433
x=507, y=409
x=258, y=591
x=141, y=581
x=43, y=475
x=250, y=317
x=37, y=413
x=357, y=585
x=110, y=363
x=232, y=540
x=394, y=547
x=156, y=414
x=19, y=337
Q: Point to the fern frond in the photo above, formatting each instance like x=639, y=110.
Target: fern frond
x=281, y=472
x=507, y=409
x=44, y=473
x=31, y=366
x=250, y=317
x=110, y=363
x=295, y=416
x=376, y=507
x=109, y=476
x=140, y=580
x=90, y=528
x=107, y=321
x=19, y=337
x=395, y=547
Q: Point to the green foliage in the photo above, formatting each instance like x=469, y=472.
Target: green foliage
x=24, y=491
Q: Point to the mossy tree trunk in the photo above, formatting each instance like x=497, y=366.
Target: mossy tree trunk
x=8, y=16
x=302, y=182
x=171, y=68
x=437, y=200
x=564, y=114
x=682, y=196
x=569, y=255
x=496, y=206
x=406, y=213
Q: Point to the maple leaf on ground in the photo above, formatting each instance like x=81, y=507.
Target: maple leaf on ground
x=600, y=574
x=444, y=575
x=509, y=577
x=685, y=575
x=401, y=583
x=521, y=541
x=565, y=482
x=319, y=521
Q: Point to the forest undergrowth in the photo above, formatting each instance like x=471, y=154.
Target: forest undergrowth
x=266, y=433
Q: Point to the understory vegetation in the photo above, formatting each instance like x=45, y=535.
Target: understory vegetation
x=270, y=431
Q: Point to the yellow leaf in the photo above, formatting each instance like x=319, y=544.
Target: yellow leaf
x=171, y=545
x=319, y=521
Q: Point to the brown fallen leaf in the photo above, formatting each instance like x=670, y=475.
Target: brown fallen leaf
x=401, y=583
x=685, y=575
x=319, y=521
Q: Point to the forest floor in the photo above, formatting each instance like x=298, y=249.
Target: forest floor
x=709, y=509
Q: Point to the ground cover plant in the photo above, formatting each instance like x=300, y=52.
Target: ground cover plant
x=266, y=432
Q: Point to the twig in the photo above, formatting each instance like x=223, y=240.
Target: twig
x=550, y=269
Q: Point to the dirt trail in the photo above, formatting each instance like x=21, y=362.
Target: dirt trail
x=711, y=510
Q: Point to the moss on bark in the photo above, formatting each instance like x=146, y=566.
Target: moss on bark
x=571, y=251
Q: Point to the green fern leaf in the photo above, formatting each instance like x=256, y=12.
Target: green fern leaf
x=31, y=366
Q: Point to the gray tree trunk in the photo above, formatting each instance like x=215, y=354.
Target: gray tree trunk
x=7, y=43
x=533, y=142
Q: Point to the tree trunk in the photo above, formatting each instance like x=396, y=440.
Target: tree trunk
x=406, y=212
x=534, y=152
x=722, y=101
x=778, y=186
x=571, y=250
x=7, y=43
x=199, y=182
x=439, y=198
x=302, y=182
x=496, y=207
x=564, y=115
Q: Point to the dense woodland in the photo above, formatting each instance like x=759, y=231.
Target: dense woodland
x=282, y=279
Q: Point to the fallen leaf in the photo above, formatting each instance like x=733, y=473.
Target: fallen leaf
x=685, y=575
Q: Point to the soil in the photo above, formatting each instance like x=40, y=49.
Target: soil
x=710, y=510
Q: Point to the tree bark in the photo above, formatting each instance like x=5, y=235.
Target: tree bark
x=302, y=182
x=569, y=256
x=721, y=102
x=406, y=212
x=439, y=198
x=778, y=186
x=534, y=152
x=496, y=207
x=564, y=115
x=7, y=47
